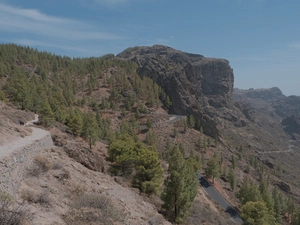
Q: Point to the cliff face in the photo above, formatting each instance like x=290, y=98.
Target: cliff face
x=192, y=81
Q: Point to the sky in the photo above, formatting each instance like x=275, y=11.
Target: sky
x=259, y=38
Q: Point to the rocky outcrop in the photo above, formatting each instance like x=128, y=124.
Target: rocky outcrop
x=193, y=82
x=292, y=124
x=284, y=186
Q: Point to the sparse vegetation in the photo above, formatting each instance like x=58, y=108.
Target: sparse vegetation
x=33, y=196
x=12, y=214
x=93, y=208
x=40, y=165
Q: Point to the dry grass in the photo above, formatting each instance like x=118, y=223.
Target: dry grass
x=93, y=209
x=34, y=197
x=77, y=190
x=43, y=162
x=40, y=164
x=201, y=214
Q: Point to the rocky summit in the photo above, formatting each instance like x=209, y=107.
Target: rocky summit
x=192, y=81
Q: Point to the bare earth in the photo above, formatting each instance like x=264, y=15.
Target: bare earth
x=20, y=142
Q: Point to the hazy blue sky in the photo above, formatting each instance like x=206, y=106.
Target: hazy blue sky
x=260, y=38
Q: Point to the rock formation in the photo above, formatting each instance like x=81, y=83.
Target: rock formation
x=193, y=82
x=292, y=124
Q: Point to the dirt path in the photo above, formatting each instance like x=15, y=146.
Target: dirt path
x=172, y=119
x=290, y=149
x=36, y=119
x=20, y=142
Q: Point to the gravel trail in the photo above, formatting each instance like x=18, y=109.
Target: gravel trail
x=36, y=134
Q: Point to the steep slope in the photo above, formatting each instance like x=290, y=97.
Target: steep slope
x=192, y=81
x=45, y=183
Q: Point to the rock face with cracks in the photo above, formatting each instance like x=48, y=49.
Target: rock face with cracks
x=193, y=82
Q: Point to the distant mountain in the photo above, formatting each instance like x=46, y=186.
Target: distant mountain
x=266, y=94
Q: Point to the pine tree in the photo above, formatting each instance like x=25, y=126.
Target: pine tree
x=216, y=141
x=168, y=102
x=184, y=125
x=175, y=132
x=75, y=122
x=150, y=138
x=248, y=192
x=201, y=130
x=256, y=213
x=2, y=95
x=149, y=123
x=47, y=115
x=278, y=204
x=199, y=142
x=192, y=121
x=265, y=193
x=90, y=128
x=168, y=149
x=180, y=186
x=213, y=168
x=148, y=176
x=290, y=207
x=122, y=152
x=133, y=157
x=232, y=179
x=233, y=161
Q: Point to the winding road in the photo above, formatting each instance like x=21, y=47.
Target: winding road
x=217, y=197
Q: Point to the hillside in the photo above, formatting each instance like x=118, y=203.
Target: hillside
x=149, y=102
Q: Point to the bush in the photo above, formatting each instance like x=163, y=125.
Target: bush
x=93, y=208
x=40, y=198
x=40, y=164
x=43, y=163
